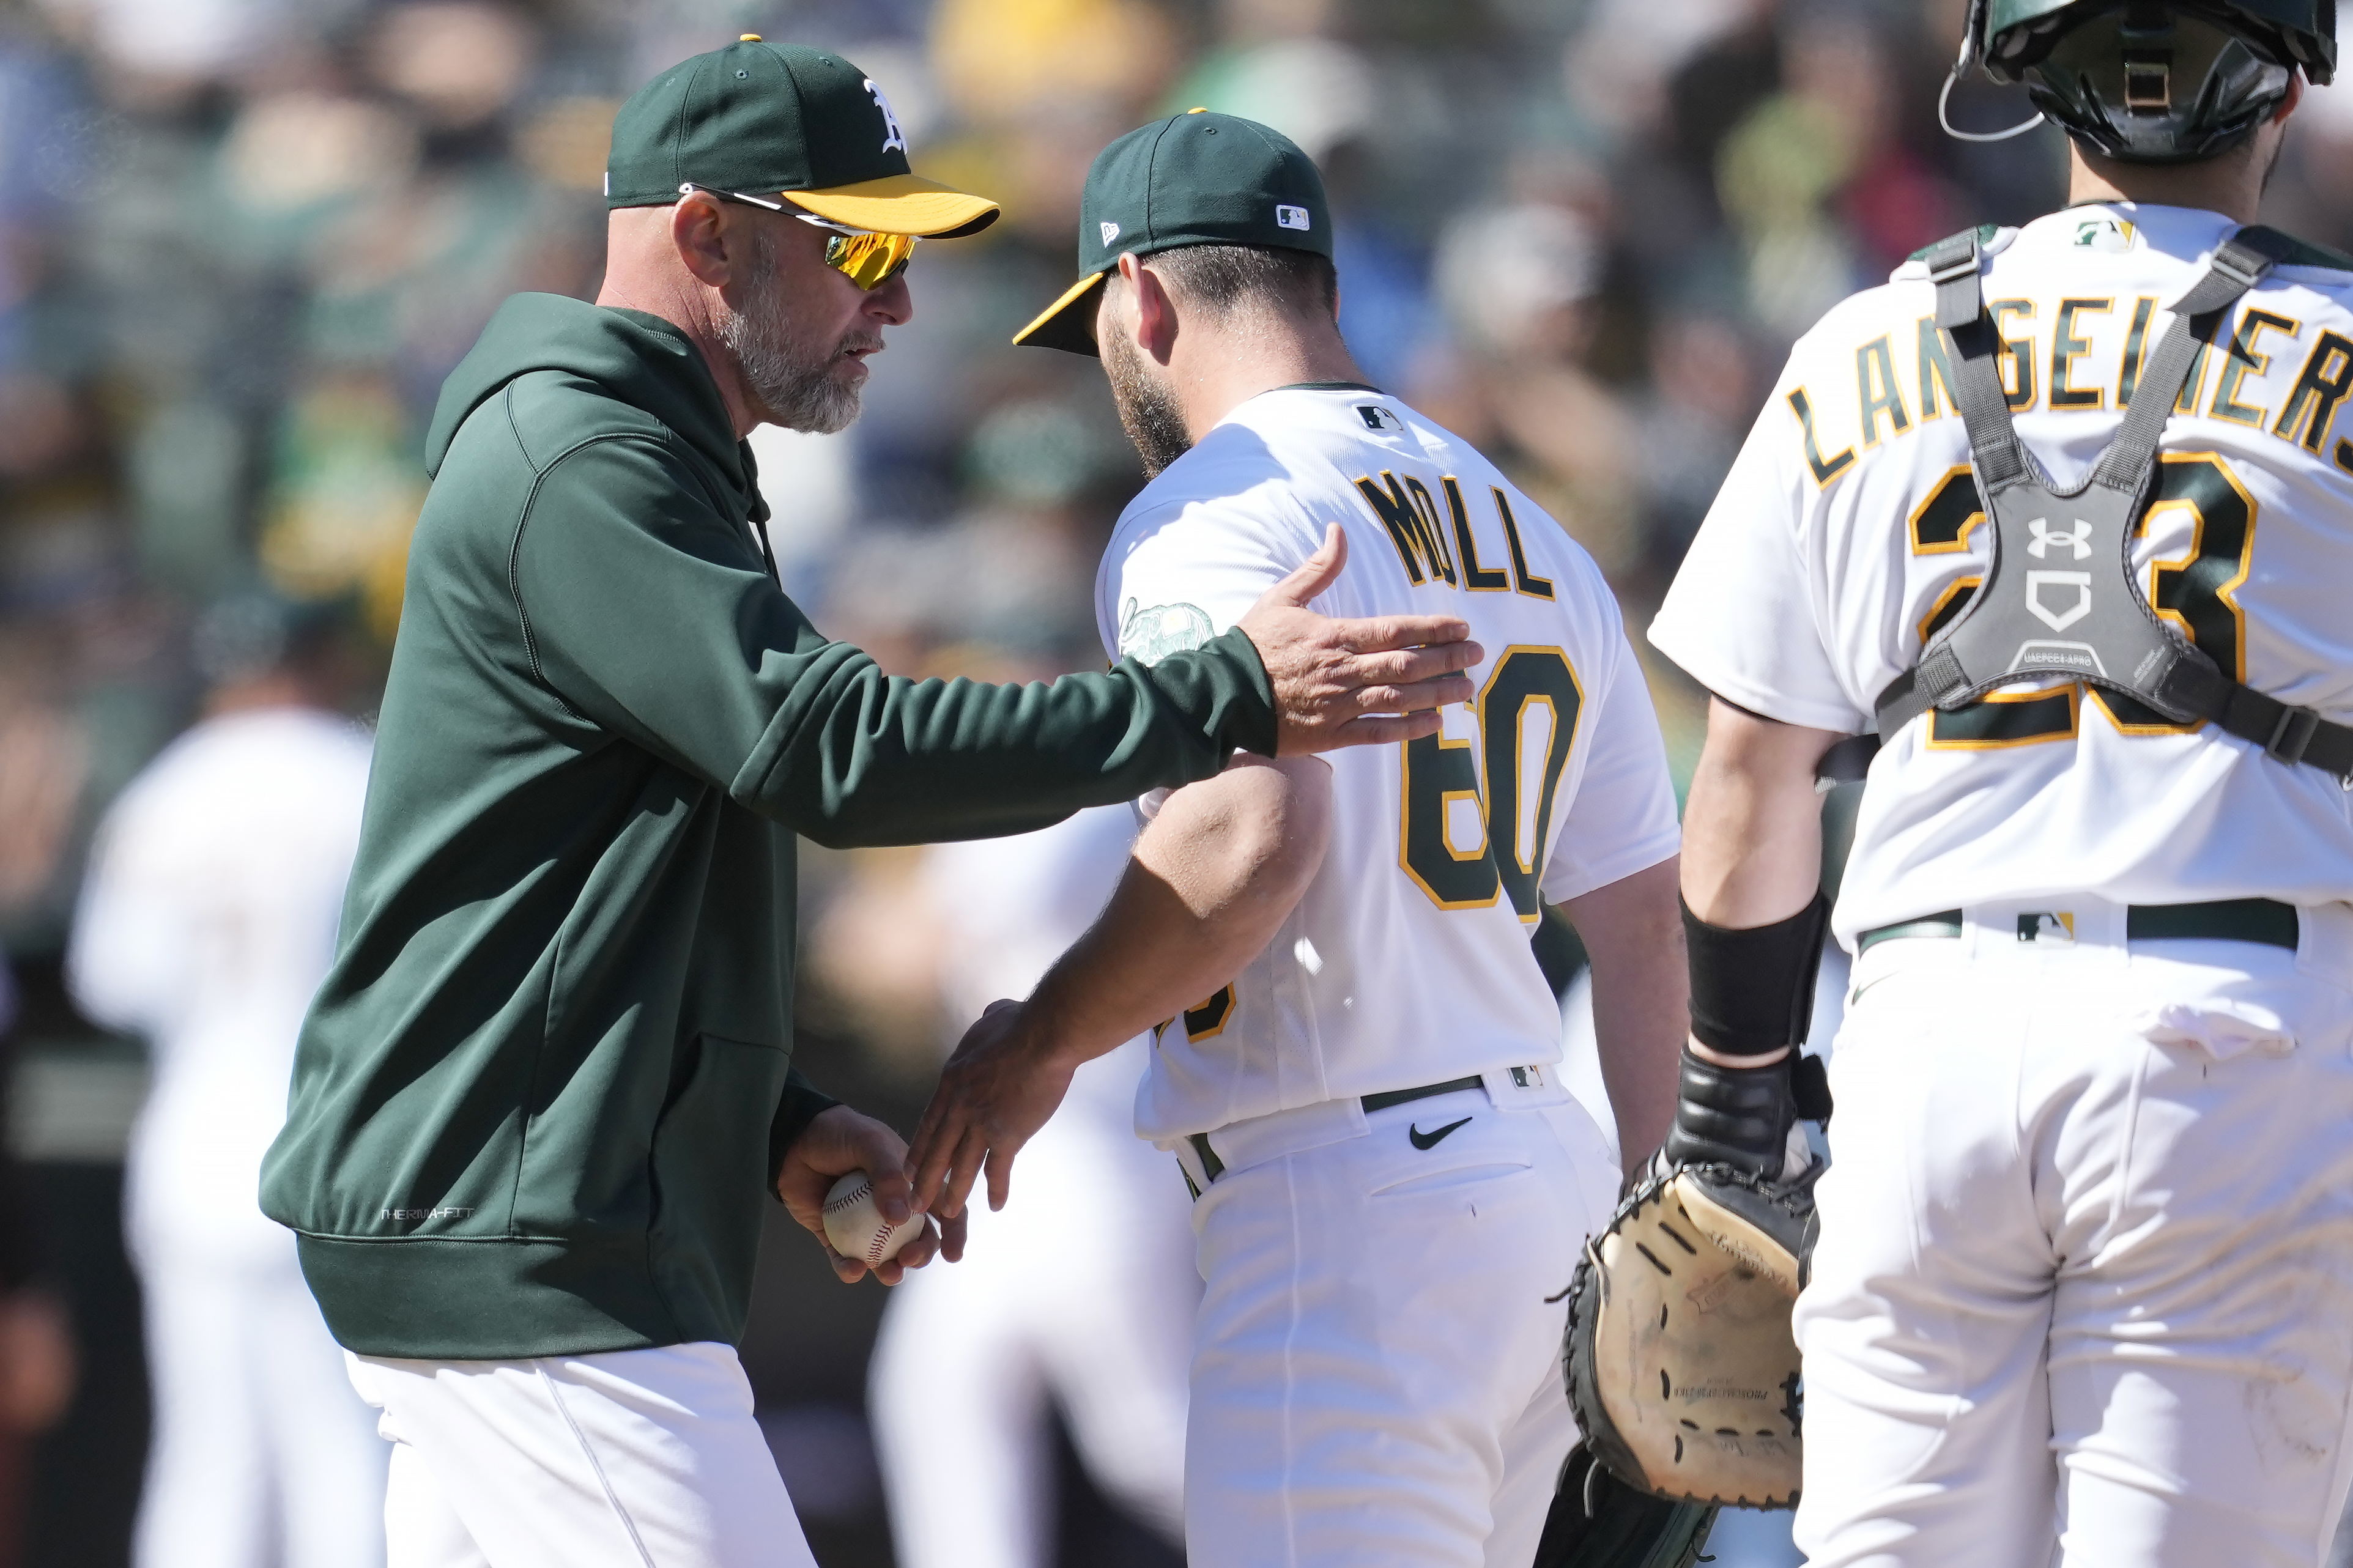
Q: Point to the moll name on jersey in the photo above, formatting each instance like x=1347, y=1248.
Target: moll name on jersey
x=1436, y=553
x=1899, y=386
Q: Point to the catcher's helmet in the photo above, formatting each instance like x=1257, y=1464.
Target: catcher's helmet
x=2152, y=81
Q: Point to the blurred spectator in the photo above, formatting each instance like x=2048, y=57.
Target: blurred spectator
x=206, y=921
x=1620, y=62
x=1701, y=395
x=1826, y=198
x=37, y=1370
x=1079, y=1296
x=1519, y=284
x=999, y=59
x=180, y=44
x=44, y=758
x=1328, y=97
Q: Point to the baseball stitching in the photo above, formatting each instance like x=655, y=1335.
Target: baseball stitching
x=850, y=1199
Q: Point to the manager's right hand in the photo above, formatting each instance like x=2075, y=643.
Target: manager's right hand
x=1354, y=682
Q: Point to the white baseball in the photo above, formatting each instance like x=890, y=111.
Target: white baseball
x=856, y=1229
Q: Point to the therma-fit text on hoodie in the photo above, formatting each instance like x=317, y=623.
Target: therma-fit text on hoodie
x=1849, y=530
x=1408, y=961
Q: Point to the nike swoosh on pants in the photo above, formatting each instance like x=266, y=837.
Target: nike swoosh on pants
x=1430, y=1140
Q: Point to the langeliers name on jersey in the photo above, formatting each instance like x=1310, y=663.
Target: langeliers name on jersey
x=1900, y=386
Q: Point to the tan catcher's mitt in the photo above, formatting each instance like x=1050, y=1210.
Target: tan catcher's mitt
x=1681, y=1365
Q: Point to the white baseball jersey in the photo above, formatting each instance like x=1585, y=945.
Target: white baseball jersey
x=1850, y=529
x=1408, y=961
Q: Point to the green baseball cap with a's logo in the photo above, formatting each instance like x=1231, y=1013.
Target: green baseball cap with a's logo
x=1195, y=178
x=768, y=120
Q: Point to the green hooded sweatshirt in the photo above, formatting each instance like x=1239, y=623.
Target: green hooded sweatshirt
x=545, y=1091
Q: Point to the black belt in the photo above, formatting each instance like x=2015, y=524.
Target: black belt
x=2266, y=921
x=1213, y=1167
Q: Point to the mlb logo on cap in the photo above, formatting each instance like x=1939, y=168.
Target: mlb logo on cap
x=1290, y=217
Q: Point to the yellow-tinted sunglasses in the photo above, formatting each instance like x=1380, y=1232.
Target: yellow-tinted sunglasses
x=867, y=259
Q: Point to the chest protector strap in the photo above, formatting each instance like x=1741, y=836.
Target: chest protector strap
x=2060, y=596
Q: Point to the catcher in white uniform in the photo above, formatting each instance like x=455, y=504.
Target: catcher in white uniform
x=1355, y=1051
x=2084, y=1287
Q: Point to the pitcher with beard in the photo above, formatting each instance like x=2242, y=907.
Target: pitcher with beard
x=1354, y=1055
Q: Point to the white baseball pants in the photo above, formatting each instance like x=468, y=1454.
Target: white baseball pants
x=646, y=1458
x=2083, y=1294
x=260, y=1452
x=1376, y=1373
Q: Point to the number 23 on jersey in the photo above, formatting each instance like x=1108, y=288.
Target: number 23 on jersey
x=2193, y=591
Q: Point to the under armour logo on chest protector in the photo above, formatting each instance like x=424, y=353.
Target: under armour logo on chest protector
x=2079, y=539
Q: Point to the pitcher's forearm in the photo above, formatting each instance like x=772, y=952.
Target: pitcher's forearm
x=1211, y=880
x=1633, y=934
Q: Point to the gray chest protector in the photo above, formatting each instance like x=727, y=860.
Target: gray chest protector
x=2060, y=596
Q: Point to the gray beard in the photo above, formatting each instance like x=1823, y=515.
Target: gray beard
x=794, y=382
x=1147, y=409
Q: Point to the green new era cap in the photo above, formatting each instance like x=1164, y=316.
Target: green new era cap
x=761, y=119
x=1195, y=178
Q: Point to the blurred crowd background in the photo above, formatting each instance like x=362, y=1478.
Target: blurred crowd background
x=242, y=241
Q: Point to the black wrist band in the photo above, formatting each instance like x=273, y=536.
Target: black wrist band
x=1752, y=992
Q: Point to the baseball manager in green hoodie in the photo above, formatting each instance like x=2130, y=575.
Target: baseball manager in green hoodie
x=547, y=1088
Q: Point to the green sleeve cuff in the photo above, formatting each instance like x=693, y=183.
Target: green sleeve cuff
x=1223, y=685
x=803, y=1102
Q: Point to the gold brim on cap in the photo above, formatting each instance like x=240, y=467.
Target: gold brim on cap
x=900, y=204
x=1067, y=323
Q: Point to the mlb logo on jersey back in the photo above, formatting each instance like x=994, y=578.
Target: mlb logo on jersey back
x=2047, y=928
x=1377, y=417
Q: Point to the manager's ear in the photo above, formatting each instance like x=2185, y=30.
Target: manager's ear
x=698, y=228
x=1155, y=324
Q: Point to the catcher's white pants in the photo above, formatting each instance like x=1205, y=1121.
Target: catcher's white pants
x=2083, y=1294
x=1376, y=1371
x=645, y=1458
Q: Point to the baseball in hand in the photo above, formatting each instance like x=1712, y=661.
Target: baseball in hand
x=856, y=1229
